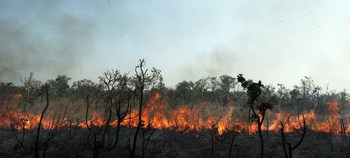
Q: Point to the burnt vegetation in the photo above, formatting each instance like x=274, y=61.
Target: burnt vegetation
x=136, y=115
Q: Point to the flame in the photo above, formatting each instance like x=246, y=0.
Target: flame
x=156, y=114
x=17, y=96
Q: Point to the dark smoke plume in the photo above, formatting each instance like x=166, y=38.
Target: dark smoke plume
x=47, y=49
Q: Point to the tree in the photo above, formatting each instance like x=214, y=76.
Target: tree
x=88, y=91
x=38, y=143
x=310, y=93
x=142, y=81
x=283, y=93
x=157, y=80
x=59, y=85
x=200, y=89
x=288, y=143
x=254, y=89
x=31, y=84
x=32, y=87
x=343, y=100
x=306, y=86
x=226, y=84
x=213, y=87
x=184, y=91
x=116, y=99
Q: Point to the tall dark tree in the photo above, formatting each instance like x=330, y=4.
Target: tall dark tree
x=142, y=80
x=254, y=90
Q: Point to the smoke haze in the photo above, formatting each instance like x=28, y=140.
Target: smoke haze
x=58, y=50
x=276, y=41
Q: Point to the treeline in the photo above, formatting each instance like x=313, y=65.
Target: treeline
x=218, y=91
x=85, y=96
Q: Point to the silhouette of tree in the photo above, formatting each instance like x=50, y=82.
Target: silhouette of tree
x=116, y=101
x=143, y=80
x=288, y=152
x=254, y=90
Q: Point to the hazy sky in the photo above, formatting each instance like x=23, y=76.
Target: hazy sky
x=276, y=41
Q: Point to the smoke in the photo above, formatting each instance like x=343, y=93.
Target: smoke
x=58, y=47
x=216, y=63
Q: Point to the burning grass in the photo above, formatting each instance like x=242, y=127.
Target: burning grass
x=158, y=115
x=180, y=131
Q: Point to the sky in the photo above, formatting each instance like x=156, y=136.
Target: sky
x=276, y=41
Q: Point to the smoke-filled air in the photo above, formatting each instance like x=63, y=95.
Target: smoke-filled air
x=174, y=79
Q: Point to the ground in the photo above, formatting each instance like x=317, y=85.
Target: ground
x=171, y=143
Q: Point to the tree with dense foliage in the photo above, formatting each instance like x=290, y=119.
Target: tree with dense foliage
x=226, y=84
x=59, y=86
x=184, y=92
x=254, y=90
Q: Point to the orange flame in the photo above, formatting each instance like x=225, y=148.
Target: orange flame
x=156, y=114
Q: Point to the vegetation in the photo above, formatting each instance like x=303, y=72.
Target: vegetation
x=112, y=117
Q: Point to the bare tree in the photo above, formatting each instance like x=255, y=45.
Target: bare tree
x=343, y=102
x=87, y=91
x=288, y=151
x=231, y=144
x=38, y=143
x=146, y=137
x=142, y=80
x=116, y=97
x=32, y=86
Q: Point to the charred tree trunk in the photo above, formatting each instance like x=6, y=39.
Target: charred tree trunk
x=37, y=147
x=97, y=146
x=262, y=142
x=231, y=146
x=105, y=135
x=141, y=76
x=145, y=140
x=285, y=141
x=343, y=129
x=87, y=101
x=139, y=123
x=267, y=130
x=212, y=143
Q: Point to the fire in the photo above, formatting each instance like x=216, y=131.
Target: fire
x=17, y=96
x=156, y=114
